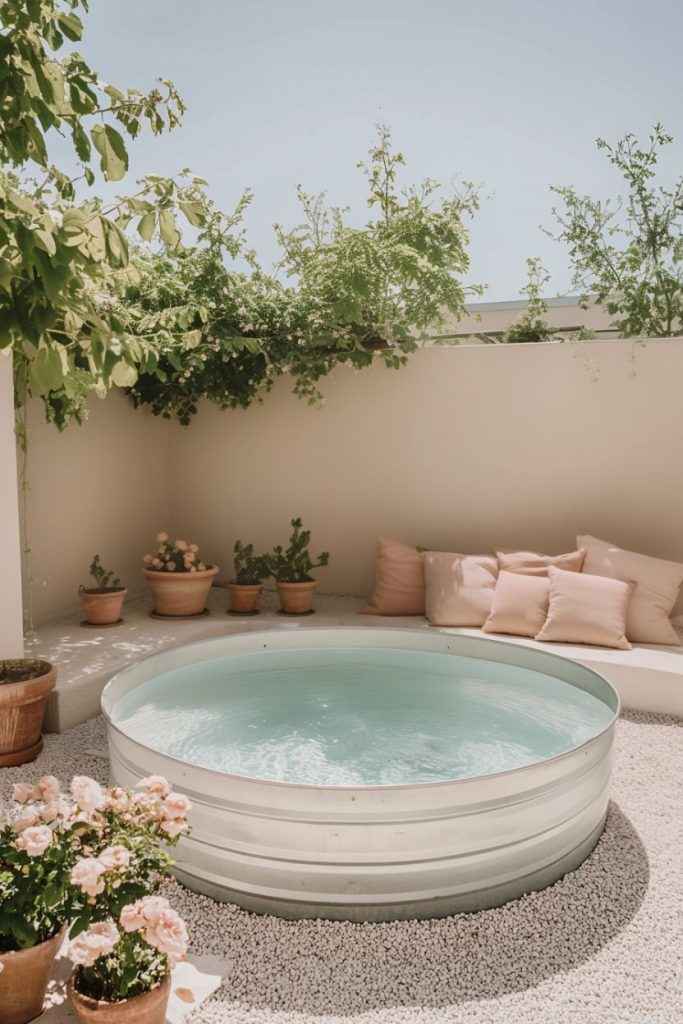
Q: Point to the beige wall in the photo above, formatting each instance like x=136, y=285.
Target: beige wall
x=11, y=633
x=463, y=449
x=100, y=487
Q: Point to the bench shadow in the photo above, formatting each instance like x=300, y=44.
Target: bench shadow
x=325, y=968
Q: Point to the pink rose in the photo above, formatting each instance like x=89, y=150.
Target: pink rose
x=22, y=792
x=201, y=567
x=34, y=840
x=168, y=934
x=147, y=559
x=155, y=784
x=181, y=545
x=194, y=548
x=162, y=538
x=87, y=793
x=25, y=820
x=157, y=563
x=116, y=799
x=86, y=873
x=132, y=918
x=48, y=789
x=99, y=940
x=176, y=805
x=114, y=857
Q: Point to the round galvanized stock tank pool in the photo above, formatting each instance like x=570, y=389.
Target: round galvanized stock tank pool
x=370, y=774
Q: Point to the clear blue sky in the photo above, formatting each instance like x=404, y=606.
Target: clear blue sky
x=511, y=95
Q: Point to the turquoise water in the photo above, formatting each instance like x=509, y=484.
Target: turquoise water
x=358, y=717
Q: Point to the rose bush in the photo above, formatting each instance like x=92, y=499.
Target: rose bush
x=178, y=556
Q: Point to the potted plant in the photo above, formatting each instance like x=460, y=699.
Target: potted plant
x=250, y=571
x=37, y=851
x=291, y=569
x=102, y=603
x=179, y=581
x=125, y=937
x=25, y=685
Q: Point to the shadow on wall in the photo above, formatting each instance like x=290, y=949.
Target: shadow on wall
x=323, y=968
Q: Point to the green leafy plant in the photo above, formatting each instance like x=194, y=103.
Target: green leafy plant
x=250, y=569
x=358, y=294
x=104, y=579
x=58, y=252
x=627, y=253
x=530, y=326
x=294, y=563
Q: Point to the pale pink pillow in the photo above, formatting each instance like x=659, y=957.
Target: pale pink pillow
x=458, y=588
x=520, y=604
x=399, y=580
x=657, y=581
x=530, y=563
x=587, y=609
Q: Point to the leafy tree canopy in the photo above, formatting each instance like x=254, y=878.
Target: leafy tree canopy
x=627, y=253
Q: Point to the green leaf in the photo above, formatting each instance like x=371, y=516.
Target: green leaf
x=124, y=375
x=71, y=25
x=111, y=147
x=146, y=226
x=46, y=371
x=194, y=212
x=168, y=229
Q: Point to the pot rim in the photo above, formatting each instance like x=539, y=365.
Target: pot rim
x=58, y=936
x=180, y=574
x=49, y=670
x=95, y=1004
x=102, y=591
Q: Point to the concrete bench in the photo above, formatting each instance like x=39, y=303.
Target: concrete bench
x=648, y=678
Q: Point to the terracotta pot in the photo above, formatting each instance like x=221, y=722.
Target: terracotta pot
x=102, y=605
x=180, y=593
x=22, y=708
x=244, y=597
x=23, y=980
x=147, y=1008
x=296, y=598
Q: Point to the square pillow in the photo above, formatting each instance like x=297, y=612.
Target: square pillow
x=520, y=604
x=458, y=588
x=657, y=581
x=587, y=609
x=530, y=563
x=399, y=580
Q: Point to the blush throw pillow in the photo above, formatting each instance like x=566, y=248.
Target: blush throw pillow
x=530, y=563
x=458, y=588
x=657, y=585
x=520, y=604
x=399, y=580
x=585, y=609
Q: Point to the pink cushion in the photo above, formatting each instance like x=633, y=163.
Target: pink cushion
x=520, y=604
x=657, y=581
x=586, y=609
x=399, y=580
x=530, y=563
x=458, y=588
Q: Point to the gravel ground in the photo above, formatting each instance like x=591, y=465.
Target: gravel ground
x=601, y=946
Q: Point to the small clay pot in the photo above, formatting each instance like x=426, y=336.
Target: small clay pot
x=24, y=978
x=244, y=597
x=180, y=593
x=147, y=1008
x=22, y=709
x=102, y=605
x=296, y=598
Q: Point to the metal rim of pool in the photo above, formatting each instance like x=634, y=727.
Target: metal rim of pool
x=378, y=852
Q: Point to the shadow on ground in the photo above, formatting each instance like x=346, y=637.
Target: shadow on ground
x=327, y=968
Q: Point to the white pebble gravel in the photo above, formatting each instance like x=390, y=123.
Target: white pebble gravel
x=601, y=946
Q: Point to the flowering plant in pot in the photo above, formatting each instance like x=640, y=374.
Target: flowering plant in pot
x=125, y=937
x=25, y=685
x=179, y=581
x=36, y=854
x=250, y=571
x=291, y=568
x=102, y=603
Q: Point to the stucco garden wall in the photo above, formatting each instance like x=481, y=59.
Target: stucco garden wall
x=463, y=449
x=100, y=487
